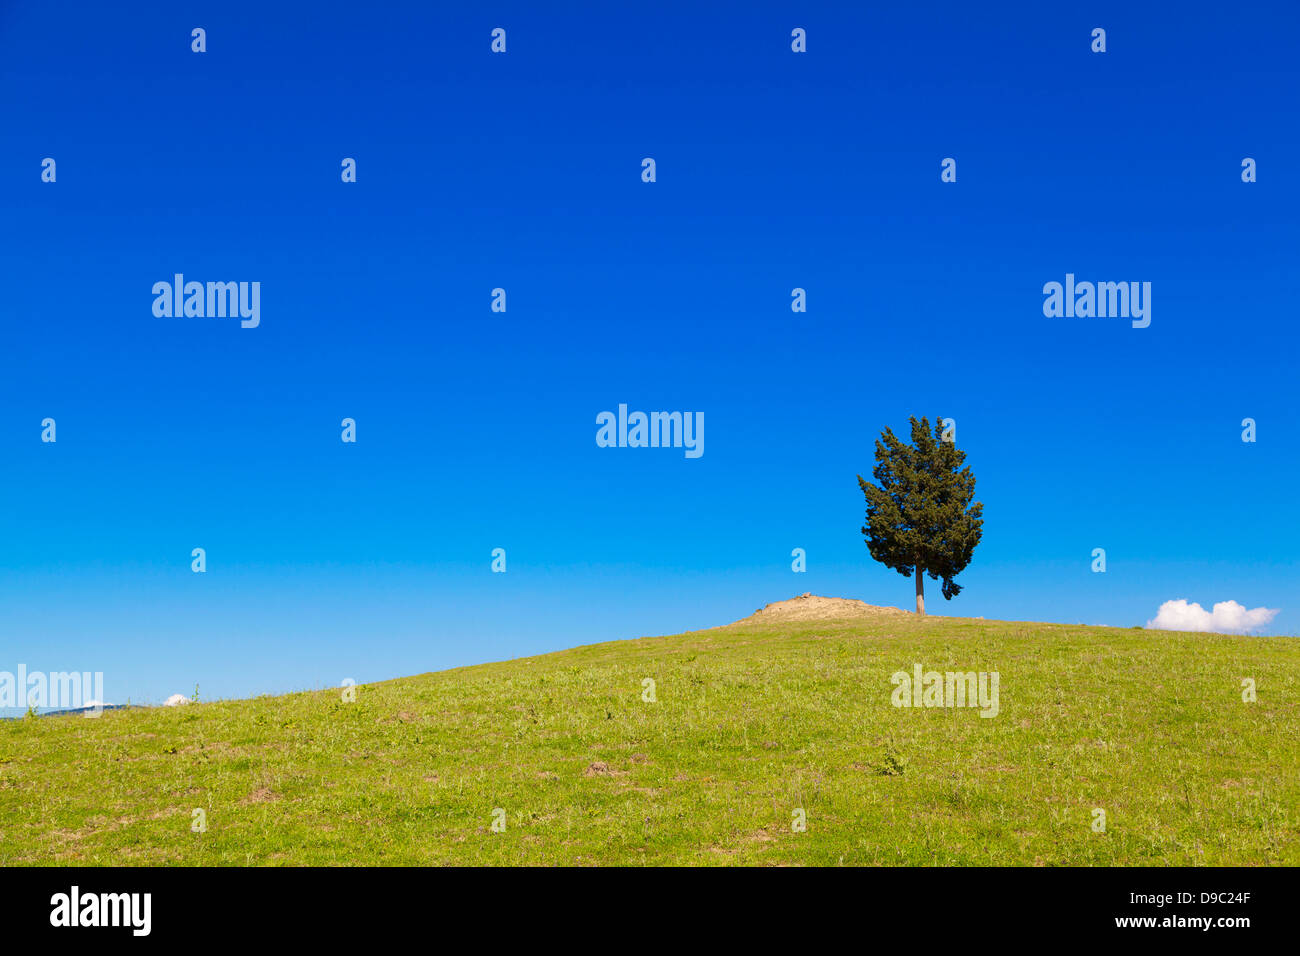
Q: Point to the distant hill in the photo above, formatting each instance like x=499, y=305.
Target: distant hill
x=15, y=713
x=789, y=710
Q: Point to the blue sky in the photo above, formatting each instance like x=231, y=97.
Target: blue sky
x=476, y=429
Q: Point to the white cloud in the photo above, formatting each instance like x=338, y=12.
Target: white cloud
x=176, y=700
x=1228, y=617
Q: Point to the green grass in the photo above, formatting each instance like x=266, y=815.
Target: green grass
x=751, y=722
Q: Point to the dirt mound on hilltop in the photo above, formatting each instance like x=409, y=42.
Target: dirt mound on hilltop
x=811, y=607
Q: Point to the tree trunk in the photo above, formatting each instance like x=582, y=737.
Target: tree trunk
x=920, y=591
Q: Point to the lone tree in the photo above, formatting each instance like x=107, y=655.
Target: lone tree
x=920, y=519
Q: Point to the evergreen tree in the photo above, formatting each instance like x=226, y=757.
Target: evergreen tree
x=920, y=519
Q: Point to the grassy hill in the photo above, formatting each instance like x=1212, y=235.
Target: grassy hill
x=751, y=721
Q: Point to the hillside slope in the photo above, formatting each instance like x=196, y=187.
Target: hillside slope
x=751, y=722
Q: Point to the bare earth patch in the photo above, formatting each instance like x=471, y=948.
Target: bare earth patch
x=811, y=607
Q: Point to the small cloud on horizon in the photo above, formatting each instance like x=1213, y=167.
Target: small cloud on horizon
x=1228, y=617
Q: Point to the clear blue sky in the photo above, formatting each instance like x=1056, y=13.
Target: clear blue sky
x=476, y=430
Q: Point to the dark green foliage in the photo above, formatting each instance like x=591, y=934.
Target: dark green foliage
x=921, y=513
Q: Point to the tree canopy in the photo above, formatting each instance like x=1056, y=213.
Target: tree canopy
x=920, y=519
